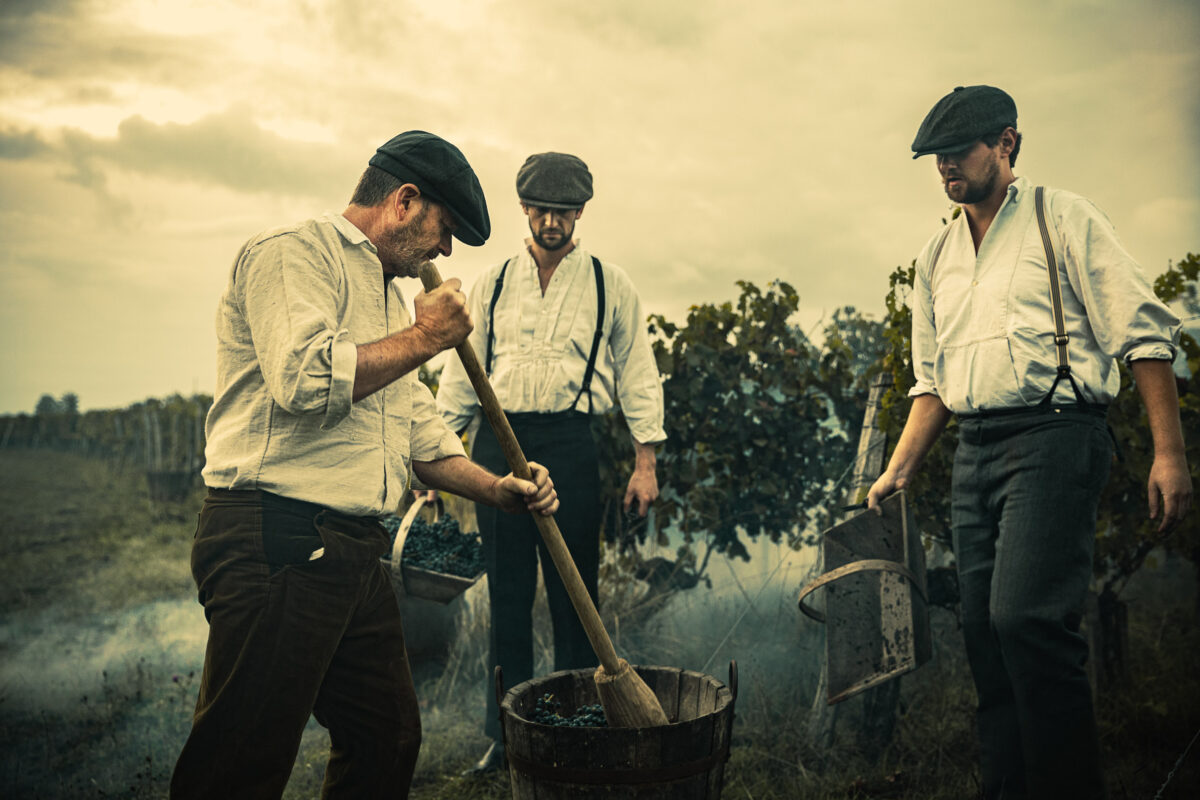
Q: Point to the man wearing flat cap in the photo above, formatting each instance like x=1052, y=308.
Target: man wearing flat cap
x=1022, y=305
x=317, y=418
x=563, y=337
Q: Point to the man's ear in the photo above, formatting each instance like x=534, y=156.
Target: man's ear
x=579, y=212
x=1008, y=140
x=402, y=201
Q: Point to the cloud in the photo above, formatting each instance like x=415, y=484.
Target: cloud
x=56, y=40
x=230, y=150
x=227, y=149
x=19, y=145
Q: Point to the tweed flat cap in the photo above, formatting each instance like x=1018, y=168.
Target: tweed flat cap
x=554, y=180
x=963, y=117
x=441, y=172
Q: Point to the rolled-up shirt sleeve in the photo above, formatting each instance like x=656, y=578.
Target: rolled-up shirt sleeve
x=288, y=288
x=1128, y=320
x=924, y=336
x=635, y=372
x=431, y=438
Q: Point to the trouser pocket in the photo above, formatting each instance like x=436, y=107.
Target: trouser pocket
x=289, y=538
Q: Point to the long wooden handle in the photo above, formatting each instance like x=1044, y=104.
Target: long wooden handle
x=584, y=607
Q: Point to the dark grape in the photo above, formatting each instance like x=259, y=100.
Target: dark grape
x=440, y=546
x=548, y=711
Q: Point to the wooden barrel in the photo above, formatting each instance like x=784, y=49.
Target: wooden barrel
x=683, y=760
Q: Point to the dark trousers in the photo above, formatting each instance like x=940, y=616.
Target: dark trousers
x=290, y=637
x=512, y=548
x=1025, y=493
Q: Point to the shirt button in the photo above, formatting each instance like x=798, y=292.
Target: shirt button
x=974, y=283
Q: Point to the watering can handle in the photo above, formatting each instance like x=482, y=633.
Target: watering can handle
x=868, y=564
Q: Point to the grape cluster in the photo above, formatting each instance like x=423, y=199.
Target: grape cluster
x=548, y=711
x=441, y=547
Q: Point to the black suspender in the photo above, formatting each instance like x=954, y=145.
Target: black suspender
x=491, y=337
x=586, y=385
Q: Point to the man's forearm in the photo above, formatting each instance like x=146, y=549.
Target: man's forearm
x=1155, y=382
x=644, y=457
x=461, y=476
x=381, y=362
x=926, y=420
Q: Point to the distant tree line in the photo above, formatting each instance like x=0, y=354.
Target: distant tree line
x=159, y=435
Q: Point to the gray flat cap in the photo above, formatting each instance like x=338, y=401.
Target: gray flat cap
x=962, y=118
x=554, y=180
x=440, y=171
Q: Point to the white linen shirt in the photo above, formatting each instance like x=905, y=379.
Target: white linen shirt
x=298, y=301
x=983, y=328
x=542, y=344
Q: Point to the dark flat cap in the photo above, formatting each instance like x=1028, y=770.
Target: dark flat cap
x=442, y=173
x=963, y=117
x=554, y=180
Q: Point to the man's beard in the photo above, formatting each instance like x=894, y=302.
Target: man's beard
x=400, y=249
x=976, y=192
x=564, y=239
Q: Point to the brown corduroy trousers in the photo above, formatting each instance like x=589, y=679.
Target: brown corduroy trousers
x=291, y=635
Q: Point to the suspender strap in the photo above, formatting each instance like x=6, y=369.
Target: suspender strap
x=586, y=386
x=491, y=335
x=1060, y=328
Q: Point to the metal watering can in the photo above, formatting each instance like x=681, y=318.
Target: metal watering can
x=876, y=606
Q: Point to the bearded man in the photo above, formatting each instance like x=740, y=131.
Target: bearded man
x=317, y=418
x=1021, y=307
x=563, y=338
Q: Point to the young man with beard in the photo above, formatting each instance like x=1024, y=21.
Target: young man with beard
x=1034, y=450
x=563, y=337
x=316, y=420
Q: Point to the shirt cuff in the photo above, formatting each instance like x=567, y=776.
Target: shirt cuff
x=436, y=442
x=647, y=432
x=1158, y=351
x=344, y=365
x=922, y=388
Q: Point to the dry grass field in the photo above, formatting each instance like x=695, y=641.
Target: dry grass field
x=101, y=641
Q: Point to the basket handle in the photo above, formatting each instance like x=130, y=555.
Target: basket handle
x=406, y=524
x=865, y=565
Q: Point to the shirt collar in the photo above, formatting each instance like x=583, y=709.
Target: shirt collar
x=349, y=230
x=1018, y=188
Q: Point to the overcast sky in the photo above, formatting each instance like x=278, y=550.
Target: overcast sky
x=142, y=142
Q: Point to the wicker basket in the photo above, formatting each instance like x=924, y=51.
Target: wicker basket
x=439, y=587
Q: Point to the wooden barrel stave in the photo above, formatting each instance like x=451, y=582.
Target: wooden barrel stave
x=682, y=760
